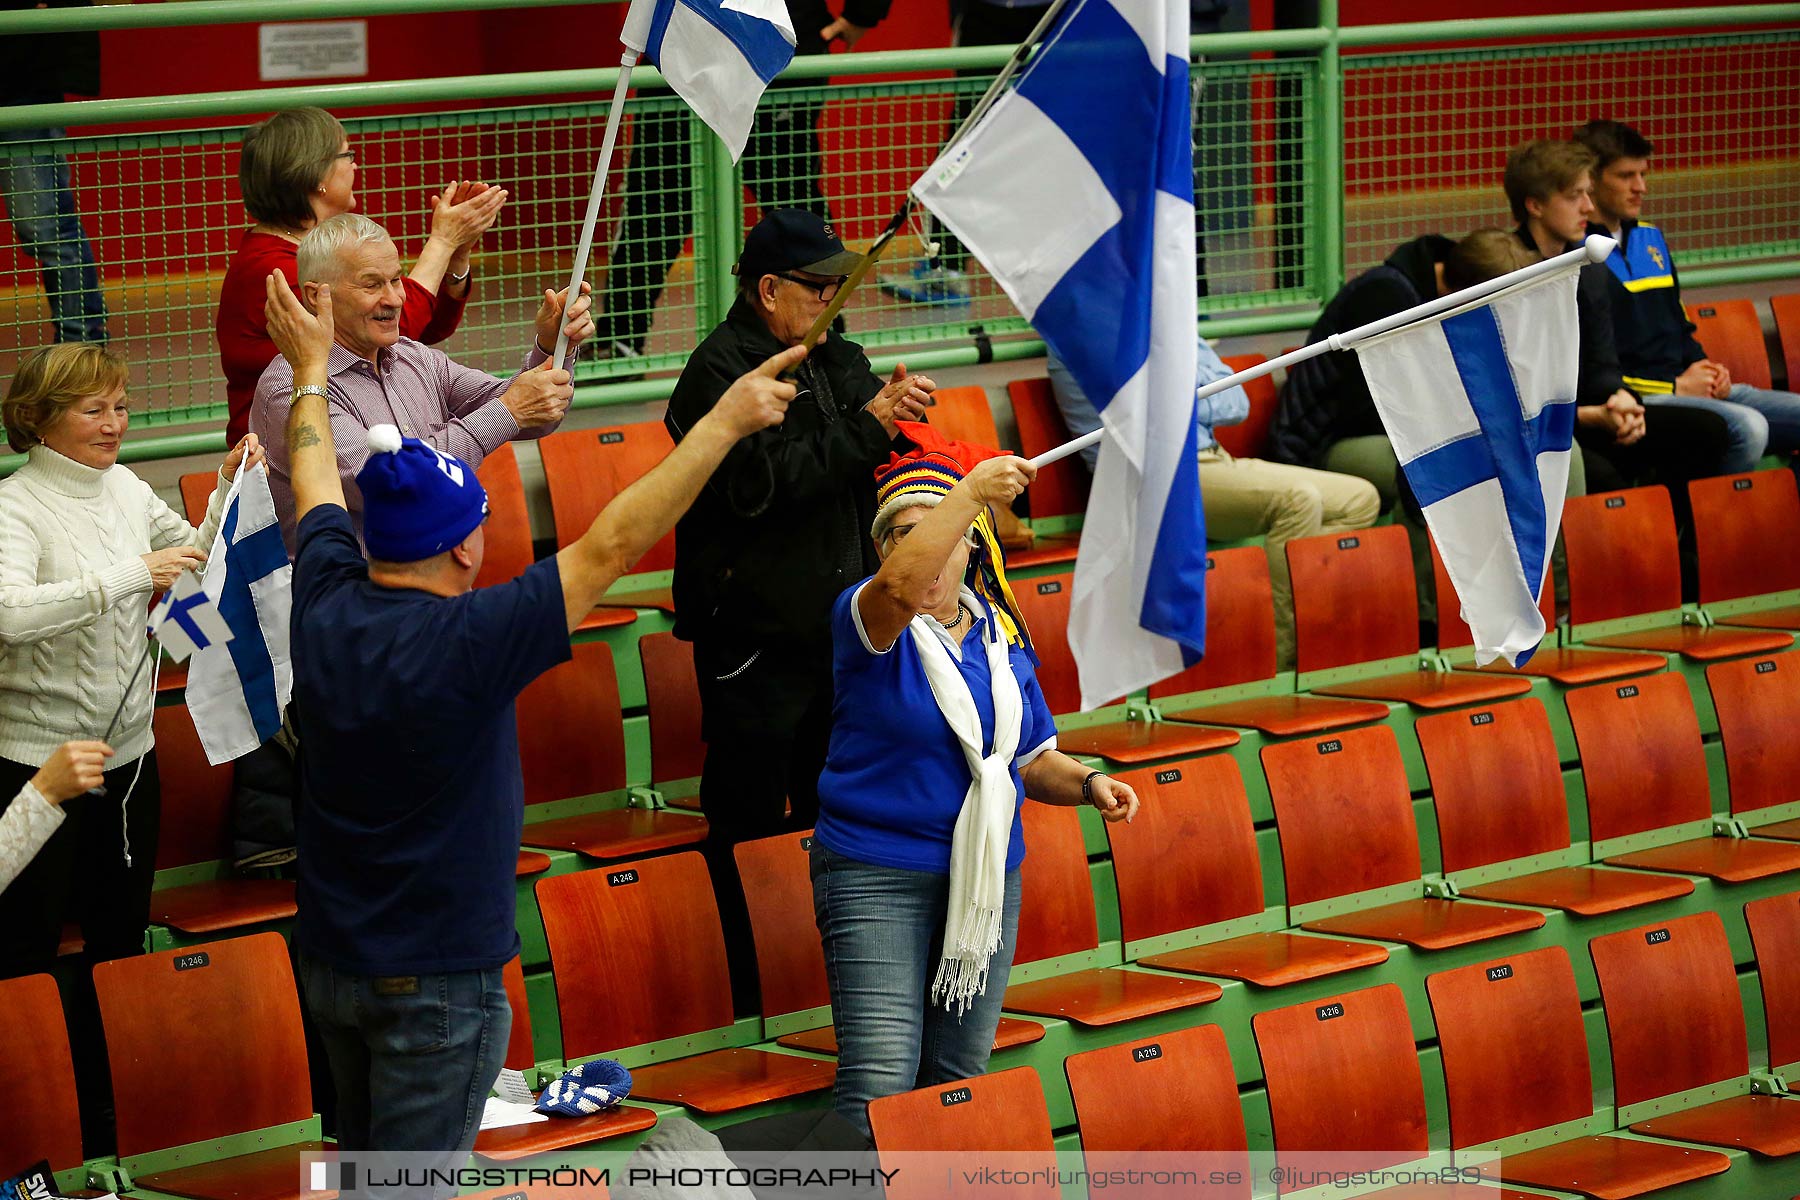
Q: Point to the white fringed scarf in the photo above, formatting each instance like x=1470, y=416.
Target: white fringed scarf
x=984, y=827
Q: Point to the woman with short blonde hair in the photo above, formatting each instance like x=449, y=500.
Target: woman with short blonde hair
x=297, y=169
x=84, y=544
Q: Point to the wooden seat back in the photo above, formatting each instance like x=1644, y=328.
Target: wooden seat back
x=196, y=796
x=962, y=415
x=1641, y=756
x=999, y=1119
x=1354, y=599
x=1061, y=489
x=1056, y=910
x=1774, y=923
x=506, y=550
x=1742, y=526
x=217, y=1025
x=1189, y=857
x=39, y=1118
x=1758, y=704
x=790, y=959
x=1730, y=332
x=1344, y=812
x=585, y=468
x=1240, y=625
x=571, y=735
x=1249, y=438
x=1496, y=782
x=1171, y=1094
x=1621, y=554
x=672, y=695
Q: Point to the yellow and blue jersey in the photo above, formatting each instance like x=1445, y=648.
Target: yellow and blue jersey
x=1655, y=341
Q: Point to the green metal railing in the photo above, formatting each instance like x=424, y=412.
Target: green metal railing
x=1310, y=165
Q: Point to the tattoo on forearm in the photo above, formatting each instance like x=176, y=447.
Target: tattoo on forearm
x=304, y=436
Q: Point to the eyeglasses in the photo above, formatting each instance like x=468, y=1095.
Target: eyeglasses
x=825, y=290
x=349, y=154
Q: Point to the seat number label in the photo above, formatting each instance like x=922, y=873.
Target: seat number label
x=806, y=842
x=1050, y=588
x=1764, y=668
x=1742, y=485
x=621, y=878
x=611, y=437
x=1627, y=692
x=1349, y=543
x=1326, y=1012
x=1172, y=775
x=1656, y=937
x=961, y=1095
x=1149, y=1053
x=1615, y=502
x=189, y=962
x=1331, y=747
x=1496, y=974
x=1486, y=718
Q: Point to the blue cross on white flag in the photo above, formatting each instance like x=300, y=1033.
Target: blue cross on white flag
x=1480, y=407
x=236, y=690
x=185, y=621
x=718, y=55
x=1076, y=191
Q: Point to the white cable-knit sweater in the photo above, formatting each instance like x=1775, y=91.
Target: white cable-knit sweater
x=74, y=596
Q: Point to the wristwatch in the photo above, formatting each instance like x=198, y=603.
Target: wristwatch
x=453, y=277
x=309, y=389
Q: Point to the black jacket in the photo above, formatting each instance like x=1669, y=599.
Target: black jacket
x=1600, y=375
x=810, y=16
x=40, y=68
x=1326, y=399
x=772, y=540
x=1655, y=339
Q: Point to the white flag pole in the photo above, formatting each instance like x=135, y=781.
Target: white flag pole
x=1595, y=249
x=635, y=36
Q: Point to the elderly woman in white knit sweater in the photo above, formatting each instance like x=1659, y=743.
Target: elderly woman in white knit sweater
x=83, y=545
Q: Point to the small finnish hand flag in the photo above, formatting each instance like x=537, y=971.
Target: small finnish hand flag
x=186, y=621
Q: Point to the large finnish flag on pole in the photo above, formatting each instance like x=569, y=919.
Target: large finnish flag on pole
x=719, y=55
x=1076, y=191
x=1480, y=407
x=237, y=691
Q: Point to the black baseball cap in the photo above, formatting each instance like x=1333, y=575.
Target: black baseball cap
x=794, y=239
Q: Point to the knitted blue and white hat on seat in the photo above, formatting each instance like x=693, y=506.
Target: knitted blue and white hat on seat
x=417, y=501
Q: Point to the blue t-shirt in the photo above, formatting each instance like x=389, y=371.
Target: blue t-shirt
x=411, y=802
x=895, y=778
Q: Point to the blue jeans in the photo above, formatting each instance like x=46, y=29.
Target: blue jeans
x=413, y=1059
x=883, y=930
x=34, y=182
x=1758, y=419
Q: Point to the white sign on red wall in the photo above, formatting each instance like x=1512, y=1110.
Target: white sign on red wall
x=313, y=49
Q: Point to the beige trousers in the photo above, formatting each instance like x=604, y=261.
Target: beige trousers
x=1250, y=497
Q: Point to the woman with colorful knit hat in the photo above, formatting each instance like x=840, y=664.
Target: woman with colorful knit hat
x=939, y=732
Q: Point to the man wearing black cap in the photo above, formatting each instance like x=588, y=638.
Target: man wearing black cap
x=778, y=533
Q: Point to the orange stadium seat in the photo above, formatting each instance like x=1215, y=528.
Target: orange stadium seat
x=196, y=492
x=1346, y=1093
x=1774, y=923
x=196, y=829
x=790, y=960
x=998, y=1120
x=1485, y=1013
x=672, y=695
x=1188, y=860
x=1623, y=563
x=1742, y=526
x=1787, y=327
x=585, y=468
x=1675, y=1019
x=1355, y=602
x=507, y=531
x=1645, y=771
x=218, y=1026
x=1249, y=438
x=962, y=414
x=1171, y=1094
x=523, y=1141
x=1758, y=705
x=39, y=1119
x=1240, y=649
x=639, y=957
x=1044, y=603
x=1061, y=489
x=1569, y=666
x=572, y=743
x=1057, y=918
x=1730, y=332
x=1345, y=816
x=1498, y=789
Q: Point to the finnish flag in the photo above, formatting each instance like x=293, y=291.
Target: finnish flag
x=718, y=55
x=237, y=689
x=1076, y=191
x=185, y=621
x=1480, y=407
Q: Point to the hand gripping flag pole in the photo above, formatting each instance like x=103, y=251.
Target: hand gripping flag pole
x=1595, y=249
x=635, y=36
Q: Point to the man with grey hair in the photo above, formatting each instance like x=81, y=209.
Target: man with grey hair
x=379, y=377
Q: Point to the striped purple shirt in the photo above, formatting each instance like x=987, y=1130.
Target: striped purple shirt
x=417, y=387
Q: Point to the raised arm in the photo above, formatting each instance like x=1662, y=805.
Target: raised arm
x=891, y=599
x=640, y=515
x=304, y=339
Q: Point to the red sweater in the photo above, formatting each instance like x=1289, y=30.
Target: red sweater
x=244, y=345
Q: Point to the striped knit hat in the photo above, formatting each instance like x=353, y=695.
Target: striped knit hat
x=921, y=478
